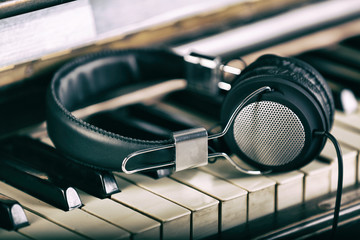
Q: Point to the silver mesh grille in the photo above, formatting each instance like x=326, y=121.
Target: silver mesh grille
x=269, y=133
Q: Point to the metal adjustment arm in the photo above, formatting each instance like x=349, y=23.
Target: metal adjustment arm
x=143, y=151
x=191, y=150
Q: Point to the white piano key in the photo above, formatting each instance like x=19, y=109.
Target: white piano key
x=42, y=229
x=261, y=196
x=75, y=220
x=348, y=137
x=350, y=120
x=316, y=180
x=289, y=189
x=48, y=141
x=11, y=235
x=233, y=199
x=139, y=225
x=175, y=219
x=204, y=209
x=349, y=162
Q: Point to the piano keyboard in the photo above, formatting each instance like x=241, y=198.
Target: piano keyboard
x=193, y=204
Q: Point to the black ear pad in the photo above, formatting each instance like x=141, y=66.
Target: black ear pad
x=300, y=104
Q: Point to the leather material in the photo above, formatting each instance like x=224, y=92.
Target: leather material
x=76, y=82
x=299, y=72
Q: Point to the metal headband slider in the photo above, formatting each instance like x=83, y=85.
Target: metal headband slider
x=191, y=148
x=204, y=73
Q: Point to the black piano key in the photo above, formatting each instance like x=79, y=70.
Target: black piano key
x=159, y=173
x=37, y=183
x=141, y=121
x=161, y=117
x=344, y=98
x=121, y=122
x=345, y=75
x=99, y=183
x=353, y=42
x=202, y=104
x=12, y=215
x=340, y=54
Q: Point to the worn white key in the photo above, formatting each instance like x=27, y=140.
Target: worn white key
x=321, y=178
x=42, y=229
x=349, y=161
x=261, y=196
x=175, y=219
x=316, y=180
x=48, y=141
x=349, y=120
x=12, y=235
x=75, y=220
x=289, y=188
x=348, y=137
x=233, y=199
x=204, y=209
x=139, y=225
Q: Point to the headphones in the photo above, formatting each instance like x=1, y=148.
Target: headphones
x=269, y=117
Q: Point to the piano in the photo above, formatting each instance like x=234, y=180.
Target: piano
x=45, y=197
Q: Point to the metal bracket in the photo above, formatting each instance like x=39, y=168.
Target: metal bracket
x=191, y=148
x=203, y=73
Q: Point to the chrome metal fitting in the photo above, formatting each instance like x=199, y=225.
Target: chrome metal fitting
x=191, y=148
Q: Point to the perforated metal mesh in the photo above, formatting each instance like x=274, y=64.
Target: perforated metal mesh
x=269, y=133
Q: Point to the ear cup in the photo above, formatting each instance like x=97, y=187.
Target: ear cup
x=274, y=131
x=298, y=71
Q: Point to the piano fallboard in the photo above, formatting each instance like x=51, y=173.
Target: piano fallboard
x=209, y=202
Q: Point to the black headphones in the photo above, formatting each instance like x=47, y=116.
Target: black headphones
x=272, y=130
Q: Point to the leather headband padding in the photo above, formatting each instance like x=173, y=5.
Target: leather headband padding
x=80, y=80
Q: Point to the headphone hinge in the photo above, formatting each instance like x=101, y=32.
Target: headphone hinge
x=203, y=73
x=191, y=148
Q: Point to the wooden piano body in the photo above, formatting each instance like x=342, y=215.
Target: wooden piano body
x=215, y=201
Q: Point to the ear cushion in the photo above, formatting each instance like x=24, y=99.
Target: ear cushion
x=299, y=72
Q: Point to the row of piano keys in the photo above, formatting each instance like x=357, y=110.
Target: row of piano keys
x=195, y=203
